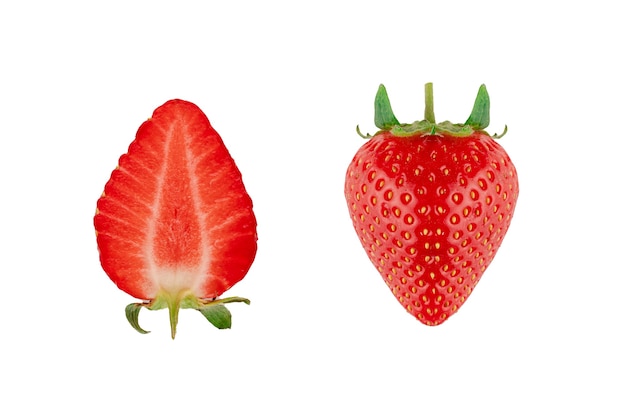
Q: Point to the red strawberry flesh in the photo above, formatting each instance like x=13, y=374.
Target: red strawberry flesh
x=175, y=219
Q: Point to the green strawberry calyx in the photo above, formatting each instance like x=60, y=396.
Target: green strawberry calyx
x=212, y=309
x=386, y=121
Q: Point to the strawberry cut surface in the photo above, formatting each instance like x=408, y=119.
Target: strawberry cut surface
x=175, y=225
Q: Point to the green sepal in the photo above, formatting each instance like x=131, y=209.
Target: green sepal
x=428, y=128
x=479, y=118
x=213, y=309
x=132, y=315
x=386, y=121
x=498, y=136
x=218, y=315
x=383, y=115
x=216, y=312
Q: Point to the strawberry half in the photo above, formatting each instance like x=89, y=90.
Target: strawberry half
x=175, y=225
x=431, y=204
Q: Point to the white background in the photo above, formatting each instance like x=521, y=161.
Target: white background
x=285, y=84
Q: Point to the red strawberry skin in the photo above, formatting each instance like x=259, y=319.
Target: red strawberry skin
x=431, y=211
x=175, y=217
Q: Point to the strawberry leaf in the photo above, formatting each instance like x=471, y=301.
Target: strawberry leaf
x=383, y=115
x=218, y=315
x=132, y=315
x=479, y=119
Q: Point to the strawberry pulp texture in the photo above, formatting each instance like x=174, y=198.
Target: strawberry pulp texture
x=175, y=225
x=431, y=208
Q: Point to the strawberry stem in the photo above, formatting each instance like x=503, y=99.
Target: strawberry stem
x=429, y=111
x=173, y=305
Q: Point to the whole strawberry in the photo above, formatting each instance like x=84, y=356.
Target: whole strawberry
x=431, y=204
